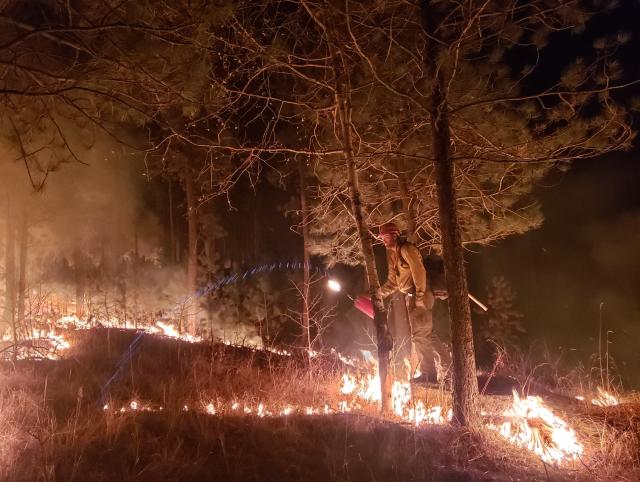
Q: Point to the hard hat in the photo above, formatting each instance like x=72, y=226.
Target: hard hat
x=389, y=228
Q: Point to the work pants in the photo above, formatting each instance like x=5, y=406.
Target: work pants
x=427, y=346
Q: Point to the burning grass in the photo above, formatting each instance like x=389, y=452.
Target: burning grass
x=171, y=410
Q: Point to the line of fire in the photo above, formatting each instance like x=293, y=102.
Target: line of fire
x=320, y=240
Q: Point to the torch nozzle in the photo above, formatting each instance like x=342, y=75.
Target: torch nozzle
x=478, y=302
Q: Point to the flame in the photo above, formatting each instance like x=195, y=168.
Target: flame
x=170, y=331
x=44, y=343
x=605, y=399
x=286, y=411
x=532, y=425
x=529, y=423
x=50, y=342
x=366, y=389
x=261, y=411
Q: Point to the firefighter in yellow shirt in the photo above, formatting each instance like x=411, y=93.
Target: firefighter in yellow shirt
x=408, y=275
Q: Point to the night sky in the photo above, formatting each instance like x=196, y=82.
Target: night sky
x=588, y=250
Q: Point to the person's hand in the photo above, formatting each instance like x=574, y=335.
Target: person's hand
x=420, y=303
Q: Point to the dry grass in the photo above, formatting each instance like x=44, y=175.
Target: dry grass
x=610, y=435
x=55, y=428
x=612, y=438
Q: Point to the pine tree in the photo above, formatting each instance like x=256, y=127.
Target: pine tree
x=503, y=322
x=475, y=136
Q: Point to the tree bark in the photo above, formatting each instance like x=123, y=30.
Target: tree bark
x=125, y=314
x=134, y=268
x=192, y=259
x=306, y=275
x=465, y=383
x=172, y=233
x=383, y=335
x=10, y=281
x=78, y=261
x=22, y=273
x=408, y=207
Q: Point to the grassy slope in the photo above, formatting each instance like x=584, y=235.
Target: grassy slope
x=55, y=427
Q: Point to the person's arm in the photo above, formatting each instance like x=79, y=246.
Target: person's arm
x=412, y=256
x=391, y=284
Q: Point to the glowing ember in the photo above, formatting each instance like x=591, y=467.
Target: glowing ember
x=530, y=424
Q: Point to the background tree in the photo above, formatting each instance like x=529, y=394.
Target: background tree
x=502, y=324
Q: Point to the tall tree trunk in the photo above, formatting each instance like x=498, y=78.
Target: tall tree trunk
x=10, y=280
x=172, y=233
x=78, y=261
x=465, y=383
x=124, y=295
x=306, y=259
x=192, y=260
x=22, y=274
x=136, y=257
x=408, y=207
x=383, y=335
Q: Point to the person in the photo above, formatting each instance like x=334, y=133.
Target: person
x=408, y=275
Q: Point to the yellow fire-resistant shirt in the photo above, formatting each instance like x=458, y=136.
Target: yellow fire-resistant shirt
x=405, y=272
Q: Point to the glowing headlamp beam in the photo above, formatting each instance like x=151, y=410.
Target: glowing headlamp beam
x=334, y=285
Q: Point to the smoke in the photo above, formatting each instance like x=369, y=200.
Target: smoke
x=83, y=204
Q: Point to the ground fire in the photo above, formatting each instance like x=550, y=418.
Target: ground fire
x=527, y=422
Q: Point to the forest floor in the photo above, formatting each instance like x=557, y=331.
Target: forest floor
x=120, y=406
